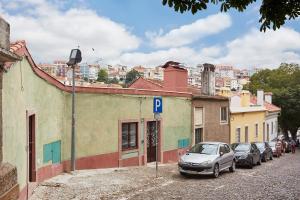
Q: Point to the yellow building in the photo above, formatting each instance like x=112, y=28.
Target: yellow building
x=247, y=120
x=247, y=124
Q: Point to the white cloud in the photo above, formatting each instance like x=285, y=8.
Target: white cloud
x=51, y=34
x=190, y=33
x=263, y=49
x=253, y=49
x=186, y=55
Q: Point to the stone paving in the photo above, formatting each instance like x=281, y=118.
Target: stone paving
x=277, y=179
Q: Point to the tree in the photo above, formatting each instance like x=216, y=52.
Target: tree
x=284, y=83
x=102, y=76
x=114, y=81
x=131, y=76
x=274, y=13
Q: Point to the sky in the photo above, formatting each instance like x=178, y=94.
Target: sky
x=144, y=32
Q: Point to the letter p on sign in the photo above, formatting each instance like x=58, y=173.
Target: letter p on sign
x=157, y=105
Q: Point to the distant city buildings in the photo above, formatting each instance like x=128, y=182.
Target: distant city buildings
x=225, y=75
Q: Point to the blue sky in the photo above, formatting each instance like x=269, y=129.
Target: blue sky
x=144, y=32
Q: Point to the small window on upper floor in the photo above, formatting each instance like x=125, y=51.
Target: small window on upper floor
x=224, y=115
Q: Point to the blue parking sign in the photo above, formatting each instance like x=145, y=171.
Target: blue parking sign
x=157, y=105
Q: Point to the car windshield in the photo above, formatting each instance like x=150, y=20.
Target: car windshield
x=260, y=145
x=209, y=149
x=272, y=144
x=241, y=147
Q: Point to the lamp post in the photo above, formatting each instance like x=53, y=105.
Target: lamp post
x=75, y=57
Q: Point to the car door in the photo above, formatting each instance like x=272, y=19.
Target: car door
x=269, y=149
x=228, y=155
x=222, y=160
x=255, y=153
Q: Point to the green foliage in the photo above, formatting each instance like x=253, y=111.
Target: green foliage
x=102, y=76
x=113, y=81
x=131, y=76
x=273, y=13
x=284, y=83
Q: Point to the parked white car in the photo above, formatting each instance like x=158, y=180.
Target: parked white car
x=207, y=158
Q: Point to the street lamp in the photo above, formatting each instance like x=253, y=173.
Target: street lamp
x=75, y=57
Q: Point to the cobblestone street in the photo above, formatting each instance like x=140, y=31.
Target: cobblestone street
x=277, y=179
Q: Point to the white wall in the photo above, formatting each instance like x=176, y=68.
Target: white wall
x=269, y=120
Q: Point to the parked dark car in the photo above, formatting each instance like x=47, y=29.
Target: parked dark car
x=265, y=151
x=246, y=154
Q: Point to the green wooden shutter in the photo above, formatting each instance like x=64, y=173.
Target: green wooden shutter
x=47, y=153
x=56, y=151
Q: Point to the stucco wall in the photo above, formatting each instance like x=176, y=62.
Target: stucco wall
x=213, y=129
x=98, y=116
x=272, y=119
x=24, y=91
x=241, y=120
x=97, y=119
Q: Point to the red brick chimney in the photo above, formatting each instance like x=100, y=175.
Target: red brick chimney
x=175, y=77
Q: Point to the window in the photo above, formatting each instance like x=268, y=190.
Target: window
x=256, y=130
x=224, y=115
x=238, y=135
x=264, y=131
x=129, y=136
x=272, y=128
x=198, y=116
x=222, y=149
x=227, y=148
x=246, y=133
x=253, y=146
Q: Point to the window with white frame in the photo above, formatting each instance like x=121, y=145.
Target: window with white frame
x=238, y=135
x=198, y=116
x=272, y=128
x=256, y=130
x=246, y=134
x=224, y=114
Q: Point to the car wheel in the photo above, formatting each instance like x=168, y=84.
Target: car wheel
x=183, y=174
x=232, y=168
x=259, y=161
x=271, y=157
x=264, y=158
x=251, y=164
x=216, y=171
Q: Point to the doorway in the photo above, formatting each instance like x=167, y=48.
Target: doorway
x=198, y=135
x=151, y=140
x=31, y=141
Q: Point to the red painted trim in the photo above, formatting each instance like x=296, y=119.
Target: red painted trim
x=99, y=161
x=23, y=193
x=130, y=162
x=49, y=171
x=173, y=155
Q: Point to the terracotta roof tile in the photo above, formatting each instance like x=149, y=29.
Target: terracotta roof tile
x=270, y=107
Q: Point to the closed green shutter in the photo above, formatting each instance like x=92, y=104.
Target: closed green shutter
x=47, y=153
x=56, y=152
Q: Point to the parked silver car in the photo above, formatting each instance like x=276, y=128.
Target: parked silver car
x=207, y=158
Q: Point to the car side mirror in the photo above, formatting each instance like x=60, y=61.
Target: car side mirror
x=221, y=153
